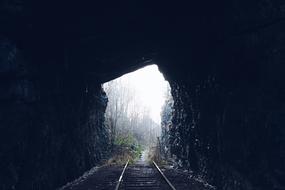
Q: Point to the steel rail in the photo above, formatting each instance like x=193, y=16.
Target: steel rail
x=164, y=177
x=121, y=176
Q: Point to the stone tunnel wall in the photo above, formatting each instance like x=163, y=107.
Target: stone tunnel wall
x=232, y=139
x=228, y=124
x=51, y=126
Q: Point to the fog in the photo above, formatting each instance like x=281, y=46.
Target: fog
x=134, y=105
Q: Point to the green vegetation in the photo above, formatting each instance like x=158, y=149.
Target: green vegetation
x=127, y=140
x=125, y=148
x=129, y=144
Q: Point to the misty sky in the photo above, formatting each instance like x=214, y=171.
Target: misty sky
x=150, y=88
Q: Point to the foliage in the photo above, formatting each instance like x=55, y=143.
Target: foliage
x=127, y=140
x=126, y=148
x=126, y=117
x=128, y=120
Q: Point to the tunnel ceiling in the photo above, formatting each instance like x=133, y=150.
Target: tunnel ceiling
x=108, y=39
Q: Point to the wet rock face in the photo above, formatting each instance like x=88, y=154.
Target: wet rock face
x=51, y=126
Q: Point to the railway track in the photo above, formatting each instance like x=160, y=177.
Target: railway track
x=139, y=176
x=143, y=176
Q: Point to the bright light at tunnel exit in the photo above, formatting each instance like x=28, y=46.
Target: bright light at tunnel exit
x=151, y=87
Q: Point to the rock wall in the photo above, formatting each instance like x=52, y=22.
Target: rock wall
x=51, y=126
x=227, y=125
x=233, y=139
x=166, y=125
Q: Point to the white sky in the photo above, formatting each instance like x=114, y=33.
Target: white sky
x=150, y=85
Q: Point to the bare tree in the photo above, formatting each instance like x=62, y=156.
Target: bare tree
x=125, y=115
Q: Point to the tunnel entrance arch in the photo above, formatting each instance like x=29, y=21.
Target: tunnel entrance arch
x=137, y=103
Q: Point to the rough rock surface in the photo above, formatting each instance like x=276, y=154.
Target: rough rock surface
x=51, y=126
x=232, y=137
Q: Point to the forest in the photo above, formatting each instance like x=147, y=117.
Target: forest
x=131, y=121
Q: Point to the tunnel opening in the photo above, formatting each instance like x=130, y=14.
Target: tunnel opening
x=223, y=60
x=138, y=112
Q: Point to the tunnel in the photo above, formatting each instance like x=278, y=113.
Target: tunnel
x=223, y=60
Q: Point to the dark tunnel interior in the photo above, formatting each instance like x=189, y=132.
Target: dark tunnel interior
x=224, y=61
